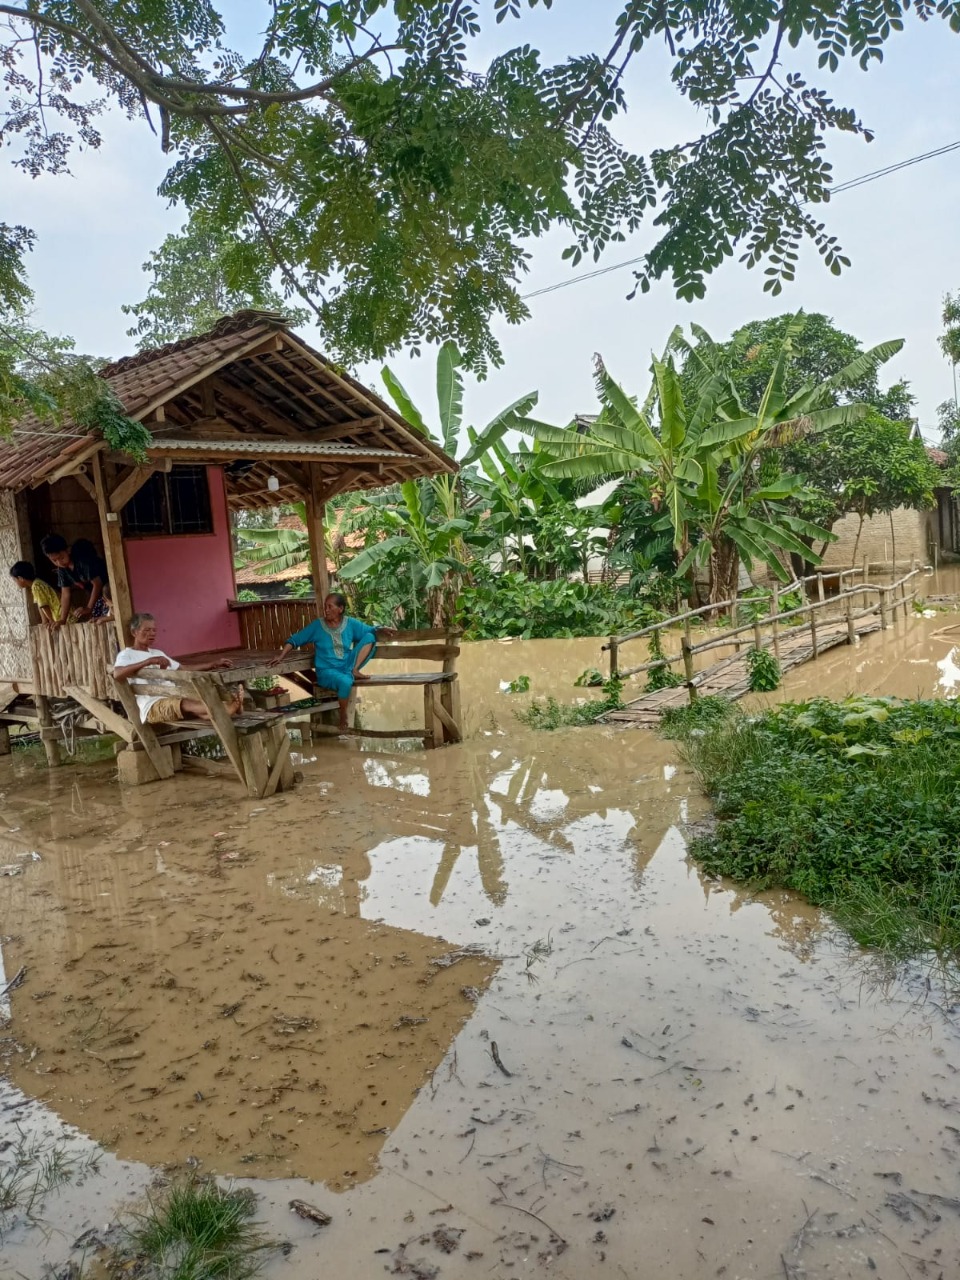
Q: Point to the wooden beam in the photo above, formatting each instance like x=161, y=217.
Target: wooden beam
x=316, y=534
x=170, y=393
x=129, y=486
x=86, y=484
x=114, y=555
x=160, y=759
x=207, y=692
x=73, y=465
x=208, y=398
x=101, y=712
x=246, y=400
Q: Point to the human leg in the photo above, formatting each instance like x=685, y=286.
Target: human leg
x=342, y=685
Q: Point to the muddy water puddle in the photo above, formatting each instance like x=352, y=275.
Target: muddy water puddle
x=623, y=1068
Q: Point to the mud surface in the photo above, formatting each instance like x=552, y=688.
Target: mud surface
x=660, y=1075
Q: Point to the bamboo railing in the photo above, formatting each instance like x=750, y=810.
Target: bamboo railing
x=81, y=653
x=266, y=624
x=889, y=598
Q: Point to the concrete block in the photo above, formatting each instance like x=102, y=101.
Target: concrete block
x=134, y=768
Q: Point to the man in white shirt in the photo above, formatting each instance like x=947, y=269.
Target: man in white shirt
x=142, y=657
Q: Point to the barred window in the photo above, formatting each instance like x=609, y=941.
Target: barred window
x=171, y=502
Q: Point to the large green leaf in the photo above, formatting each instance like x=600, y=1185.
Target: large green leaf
x=449, y=395
x=725, y=432
x=408, y=409
x=673, y=421
x=368, y=559
x=508, y=419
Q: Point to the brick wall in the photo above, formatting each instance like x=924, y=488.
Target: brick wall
x=913, y=531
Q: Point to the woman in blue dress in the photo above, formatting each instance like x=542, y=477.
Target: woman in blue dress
x=342, y=646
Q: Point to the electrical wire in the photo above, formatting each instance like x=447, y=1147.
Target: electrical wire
x=849, y=185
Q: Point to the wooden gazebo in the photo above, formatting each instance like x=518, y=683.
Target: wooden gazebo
x=244, y=416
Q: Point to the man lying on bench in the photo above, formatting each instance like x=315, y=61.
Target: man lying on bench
x=141, y=657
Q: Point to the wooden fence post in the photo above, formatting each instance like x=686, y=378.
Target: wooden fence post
x=820, y=595
x=757, y=638
x=735, y=617
x=687, y=653
x=614, y=659
x=883, y=607
x=813, y=630
x=776, y=625
x=851, y=625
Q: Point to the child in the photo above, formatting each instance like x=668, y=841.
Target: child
x=44, y=597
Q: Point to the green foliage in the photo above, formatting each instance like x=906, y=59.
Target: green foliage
x=661, y=676
x=855, y=804
x=549, y=714
x=696, y=717
x=395, y=185
x=197, y=1231
x=247, y=596
x=510, y=604
x=519, y=684
x=764, y=669
x=591, y=678
x=42, y=375
x=198, y=275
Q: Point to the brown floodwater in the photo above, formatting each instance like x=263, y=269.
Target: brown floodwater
x=477, y=1004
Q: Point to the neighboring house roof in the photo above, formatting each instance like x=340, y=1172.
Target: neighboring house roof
x=247, y=389
x=937, y=455
x=261, y=573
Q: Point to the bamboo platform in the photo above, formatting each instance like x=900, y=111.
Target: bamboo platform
x=729, y=677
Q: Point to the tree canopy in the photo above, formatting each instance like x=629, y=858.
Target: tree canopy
x=395, y=180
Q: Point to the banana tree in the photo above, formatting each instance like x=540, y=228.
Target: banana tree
x=703, y=462
x=420, y=551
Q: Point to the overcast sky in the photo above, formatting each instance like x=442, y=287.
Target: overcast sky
x=96, y=227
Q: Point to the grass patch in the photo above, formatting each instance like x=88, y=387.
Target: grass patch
x=197, y=1231
x=30, y=1169
x=548, y=713
x=855, y=804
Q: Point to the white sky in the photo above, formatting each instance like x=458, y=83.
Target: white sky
x=96, y=227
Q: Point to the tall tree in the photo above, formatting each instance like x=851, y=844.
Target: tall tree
x=395, y=180
x=199, y=275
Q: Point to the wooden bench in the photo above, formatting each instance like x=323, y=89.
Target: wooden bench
x=441, y=689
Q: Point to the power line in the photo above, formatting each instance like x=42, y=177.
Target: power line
x=849, y=185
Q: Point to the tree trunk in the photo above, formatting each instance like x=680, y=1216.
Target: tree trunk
x=724, y=570
x=856, y=541
x=893, y=542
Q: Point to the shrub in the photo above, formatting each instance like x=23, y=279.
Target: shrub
x=511, y=604
x=764, y=669
x=547, y=713
x=855, y=804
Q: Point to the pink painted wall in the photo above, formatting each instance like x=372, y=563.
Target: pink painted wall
x=187, y=580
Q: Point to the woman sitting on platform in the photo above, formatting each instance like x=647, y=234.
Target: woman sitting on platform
x=141, y=659
x=342, y=646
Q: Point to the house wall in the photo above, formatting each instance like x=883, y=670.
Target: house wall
x=914, y=535
x=187, y=580
x=14, y=618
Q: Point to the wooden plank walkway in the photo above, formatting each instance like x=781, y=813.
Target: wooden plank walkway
x=729, y=677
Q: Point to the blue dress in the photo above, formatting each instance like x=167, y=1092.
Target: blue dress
x=335, y=651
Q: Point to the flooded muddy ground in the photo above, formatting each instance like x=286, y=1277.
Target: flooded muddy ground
x=477, y=1005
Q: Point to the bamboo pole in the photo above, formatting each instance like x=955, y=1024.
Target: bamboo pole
x=851, y=625
x=687, y=654
x=883, y=607
x=820, y=593
x=614, y=648
x=813, y=630
x=775, y=622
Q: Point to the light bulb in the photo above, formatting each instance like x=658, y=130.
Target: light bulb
x=273, y=484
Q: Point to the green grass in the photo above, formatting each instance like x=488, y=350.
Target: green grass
x=855, y=804
x=30, y=1169
x=197, y=1231
x=548, y=713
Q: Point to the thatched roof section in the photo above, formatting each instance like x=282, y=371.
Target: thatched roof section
x=249, y=395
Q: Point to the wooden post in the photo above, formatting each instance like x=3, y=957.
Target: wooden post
x=883, y=607
x=687, y=653
x=851, y=625
x=813, y=630
x=735, y=617
x=775, y=626
x=820, y=595
x=757, y=638
x=316, y=535
x=5, y=747
x=614, y=659
x=47, y=733
x=866, y=575
x=112, y=534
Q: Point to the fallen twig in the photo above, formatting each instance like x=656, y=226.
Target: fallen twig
x=495, y=1054
x=15, y=981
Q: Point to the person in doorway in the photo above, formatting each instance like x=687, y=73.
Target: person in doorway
x=141, y=657
x=342, y=647
x=80, y=565
x=43, y=595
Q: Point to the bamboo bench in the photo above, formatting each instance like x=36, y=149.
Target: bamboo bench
x=441, y=689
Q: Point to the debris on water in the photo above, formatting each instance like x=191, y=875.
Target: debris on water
x=311, y=1213
x=454, y=957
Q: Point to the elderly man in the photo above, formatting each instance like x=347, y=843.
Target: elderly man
x=141, y=659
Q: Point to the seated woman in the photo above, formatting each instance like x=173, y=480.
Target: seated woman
x=141, y=657
x=342, y=646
